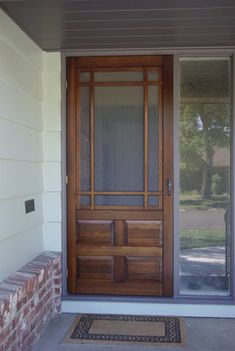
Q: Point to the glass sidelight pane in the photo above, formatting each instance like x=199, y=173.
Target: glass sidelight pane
x=84, y=139
x=153, y=137
x=205, y=176
x=119, y=144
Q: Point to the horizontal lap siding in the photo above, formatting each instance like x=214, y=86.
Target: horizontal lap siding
x=21, y=147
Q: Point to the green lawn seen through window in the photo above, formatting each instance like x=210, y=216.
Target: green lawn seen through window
x=196, y=238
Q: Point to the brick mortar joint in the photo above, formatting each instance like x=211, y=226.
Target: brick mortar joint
x=13, y=296
x=32, y=299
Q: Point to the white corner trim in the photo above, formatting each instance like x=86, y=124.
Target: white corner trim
x=163, y=309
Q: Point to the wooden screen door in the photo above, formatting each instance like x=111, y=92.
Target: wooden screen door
x=119, y=163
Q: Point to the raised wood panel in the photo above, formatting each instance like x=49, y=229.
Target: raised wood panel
x=119, y=215
x=98, y=268
x=143, y=233
x=149, y=288
x=95, y=232
x=86, y=250
x=144, y=268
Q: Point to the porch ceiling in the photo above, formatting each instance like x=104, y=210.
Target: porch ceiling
x=125, y=24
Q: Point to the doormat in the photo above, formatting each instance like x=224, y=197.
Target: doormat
x=126, y=329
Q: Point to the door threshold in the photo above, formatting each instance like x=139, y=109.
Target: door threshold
x=147, y=308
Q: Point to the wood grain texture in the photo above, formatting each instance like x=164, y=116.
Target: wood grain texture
x=119, y=214
x=95, y=268
x=145, y=269
x=168, y=173
x=95, y=232
x=144, y=233
x=87, y=250
x=134, y=288
x=124, y=250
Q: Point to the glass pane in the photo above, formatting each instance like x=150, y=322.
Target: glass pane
x=119, y=200
x=153, y=201
x=85, y=140
x=119, y=76
x=84, y=76
x=119, y=145
x=153, y=75
x=85, y=201
x=205, y=176
x=153, y=138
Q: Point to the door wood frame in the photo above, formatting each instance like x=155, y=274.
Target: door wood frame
x=121, y=61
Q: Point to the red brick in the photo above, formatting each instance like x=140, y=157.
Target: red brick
x=15, y=347
x=57, y=272
x=31, y=304
x=57, y=291
x=21, y=302
x=42, y=292
x=22, y=314
x=5, y=332
x=38, y=307
x=11, y=340
x=25, y=310
x=57, y=281
x=49, y=284
x=15, y=321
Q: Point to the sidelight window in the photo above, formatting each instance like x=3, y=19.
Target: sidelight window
x=205, y=167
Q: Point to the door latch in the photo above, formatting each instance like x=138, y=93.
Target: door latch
x=169, y=186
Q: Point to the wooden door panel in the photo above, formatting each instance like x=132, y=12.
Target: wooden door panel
x=134, y=288
x=118, y=255
x=95, y=232
x=120, y=229
x=143, y=233
x=95, y=268
x=144, y=269
x=88, y=250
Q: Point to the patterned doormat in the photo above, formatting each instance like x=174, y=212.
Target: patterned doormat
x=126, y=329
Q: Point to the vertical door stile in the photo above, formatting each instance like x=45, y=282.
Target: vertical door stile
x=119, y=261
x=146, y=170
x=78, y=143
x=92, y=128
x=160, y=142
x=167, y=172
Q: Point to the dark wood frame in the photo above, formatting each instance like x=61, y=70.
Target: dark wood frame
x=165, y=110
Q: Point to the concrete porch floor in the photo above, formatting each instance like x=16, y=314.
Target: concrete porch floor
x=202, y=334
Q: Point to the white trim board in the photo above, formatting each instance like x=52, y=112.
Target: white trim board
x=163, y=309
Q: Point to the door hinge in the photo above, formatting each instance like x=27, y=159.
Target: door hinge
x=66, y=179
x=66, y=85
x=67, y=273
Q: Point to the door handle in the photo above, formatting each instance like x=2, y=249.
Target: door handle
x=169, y=186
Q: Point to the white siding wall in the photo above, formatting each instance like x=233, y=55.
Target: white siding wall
x=21, y=147
x=52, y=151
